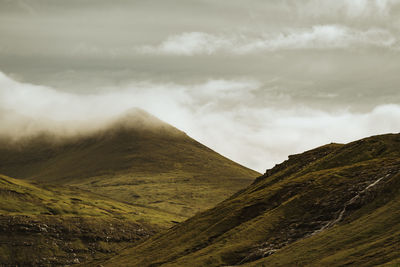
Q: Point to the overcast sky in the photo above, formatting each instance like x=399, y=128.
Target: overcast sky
x=254, y=80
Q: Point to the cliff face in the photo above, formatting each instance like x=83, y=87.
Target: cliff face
x=334, y=205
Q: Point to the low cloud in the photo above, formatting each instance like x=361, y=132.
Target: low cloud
x=316, y=37
x=190, y=43
x=222, y=114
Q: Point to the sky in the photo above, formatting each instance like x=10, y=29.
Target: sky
x=254, y=80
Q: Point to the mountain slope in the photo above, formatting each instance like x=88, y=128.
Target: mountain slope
x=58, y=225
x=137, y=159
x=336, y=205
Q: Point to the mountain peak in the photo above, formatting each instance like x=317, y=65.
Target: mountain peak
x=137, y=119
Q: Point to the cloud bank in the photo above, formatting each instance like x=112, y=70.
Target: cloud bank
x=213, y=112
x=316, y=37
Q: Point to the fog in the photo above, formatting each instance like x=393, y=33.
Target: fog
x=255, y=81
x=255, y=136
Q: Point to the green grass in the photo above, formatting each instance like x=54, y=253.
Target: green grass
x=57, y=225
x=369, y=237
x=19, y=197
x=283, y=208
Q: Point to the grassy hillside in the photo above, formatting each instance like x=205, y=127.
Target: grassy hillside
x=335, y=205
x=58, y=225
x=18, y=197
x=138, y=159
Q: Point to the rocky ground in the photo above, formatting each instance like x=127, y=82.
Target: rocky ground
x=60, y=240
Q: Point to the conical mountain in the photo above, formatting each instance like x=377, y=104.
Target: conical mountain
x=136, y=159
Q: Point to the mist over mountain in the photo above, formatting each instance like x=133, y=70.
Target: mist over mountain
x=208, y=112
x=292, y=74
x=134, y=133
x=135, y=159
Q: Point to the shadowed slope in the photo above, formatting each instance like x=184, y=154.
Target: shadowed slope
x=137, y=159
x=337, y=204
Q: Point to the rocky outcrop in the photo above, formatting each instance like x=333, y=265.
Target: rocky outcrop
x=59, y=241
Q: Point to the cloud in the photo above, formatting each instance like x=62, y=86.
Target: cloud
x=189, y=43
x=222, y=114
x=357, y=8
x=351, y=9
x=316, y=37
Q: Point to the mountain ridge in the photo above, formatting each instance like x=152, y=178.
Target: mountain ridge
x=332, y=189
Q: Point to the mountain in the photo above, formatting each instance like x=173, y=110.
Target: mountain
x=334, y=205
x=79, y=198
x=136, y=159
